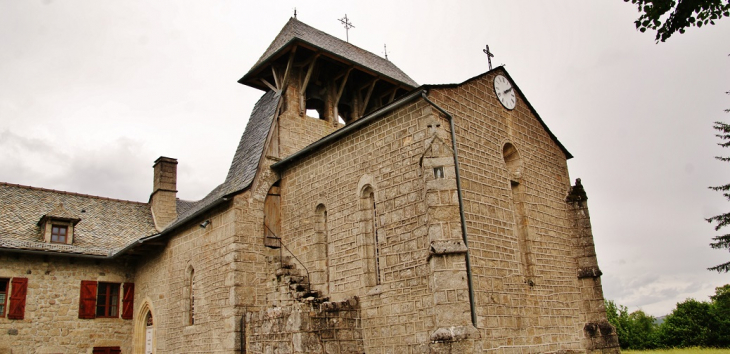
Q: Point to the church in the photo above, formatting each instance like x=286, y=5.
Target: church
x=362, y=213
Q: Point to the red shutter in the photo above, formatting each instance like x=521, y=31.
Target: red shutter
x=19, y=288
x=87, y=301
x=128, y=301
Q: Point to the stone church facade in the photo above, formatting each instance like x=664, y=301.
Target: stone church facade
x=405, y=218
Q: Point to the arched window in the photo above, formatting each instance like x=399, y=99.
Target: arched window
x=372, y=242
x=513, y=163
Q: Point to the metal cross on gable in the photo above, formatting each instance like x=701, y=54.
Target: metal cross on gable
x=346, y=22
x=489, y=56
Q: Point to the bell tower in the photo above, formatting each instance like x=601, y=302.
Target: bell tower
x=331, y=79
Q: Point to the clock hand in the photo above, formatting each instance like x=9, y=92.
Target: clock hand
x=508, y=90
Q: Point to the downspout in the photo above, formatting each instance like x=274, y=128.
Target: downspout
x=461, y=208
x=243, y=333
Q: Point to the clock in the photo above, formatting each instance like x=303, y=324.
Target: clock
x=505, y=92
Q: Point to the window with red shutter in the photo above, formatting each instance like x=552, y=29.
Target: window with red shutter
x=87, y=300
x=18, y=290
x=107, y=300
x=128, y=301
x=3, y=295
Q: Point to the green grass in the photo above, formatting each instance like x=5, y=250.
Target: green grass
x=679, y=351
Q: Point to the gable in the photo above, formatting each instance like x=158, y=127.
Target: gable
x=485, y=80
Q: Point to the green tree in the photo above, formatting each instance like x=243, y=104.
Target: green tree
x=722, y=220
x=617, y=317
x=691, y=324
x=667, y=17
x=641, y=331
x=721, y=310
x=635, y=330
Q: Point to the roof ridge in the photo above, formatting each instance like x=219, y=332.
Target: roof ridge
x=297, y=31
x=70, y=193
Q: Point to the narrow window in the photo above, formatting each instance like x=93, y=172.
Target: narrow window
x=371, y=255
x=513, y=164
x=58, y=233
x=438, y=172
x=321, y=240
x=188, y=300
x=191, y=318
x=3, y=295
x=107, y=300
x=377, y=242
x=106, y=350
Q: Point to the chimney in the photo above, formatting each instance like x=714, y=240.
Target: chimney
x=164, y=192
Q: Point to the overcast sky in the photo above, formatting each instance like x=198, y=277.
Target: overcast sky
x=92, y=92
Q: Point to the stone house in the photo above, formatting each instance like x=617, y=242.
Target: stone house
x=362, y=213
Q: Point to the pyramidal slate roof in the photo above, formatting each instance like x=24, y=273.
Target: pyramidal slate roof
x=245, y=160
x=104, y=226
x=294, y=30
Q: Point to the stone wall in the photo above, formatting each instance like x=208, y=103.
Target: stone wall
x=519, y=225
x=398, y=314
x=163, y=285
x=522, y=236
x=51, y=323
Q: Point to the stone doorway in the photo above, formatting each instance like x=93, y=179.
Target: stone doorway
x=144, y=330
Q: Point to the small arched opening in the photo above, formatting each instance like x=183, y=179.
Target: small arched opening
x=369, y=219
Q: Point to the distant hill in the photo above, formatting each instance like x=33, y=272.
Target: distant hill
x=659, y=320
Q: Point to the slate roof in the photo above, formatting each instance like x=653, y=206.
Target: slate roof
x=296, y=30
x=105, y=227
x=245, y=161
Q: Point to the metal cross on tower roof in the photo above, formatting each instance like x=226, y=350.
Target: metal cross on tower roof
x=385, y=51
x=489, y=56
x=347, y=25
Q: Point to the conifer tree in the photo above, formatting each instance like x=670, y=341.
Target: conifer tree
x=722, y=220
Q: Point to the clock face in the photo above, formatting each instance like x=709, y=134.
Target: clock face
x=505, y=92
